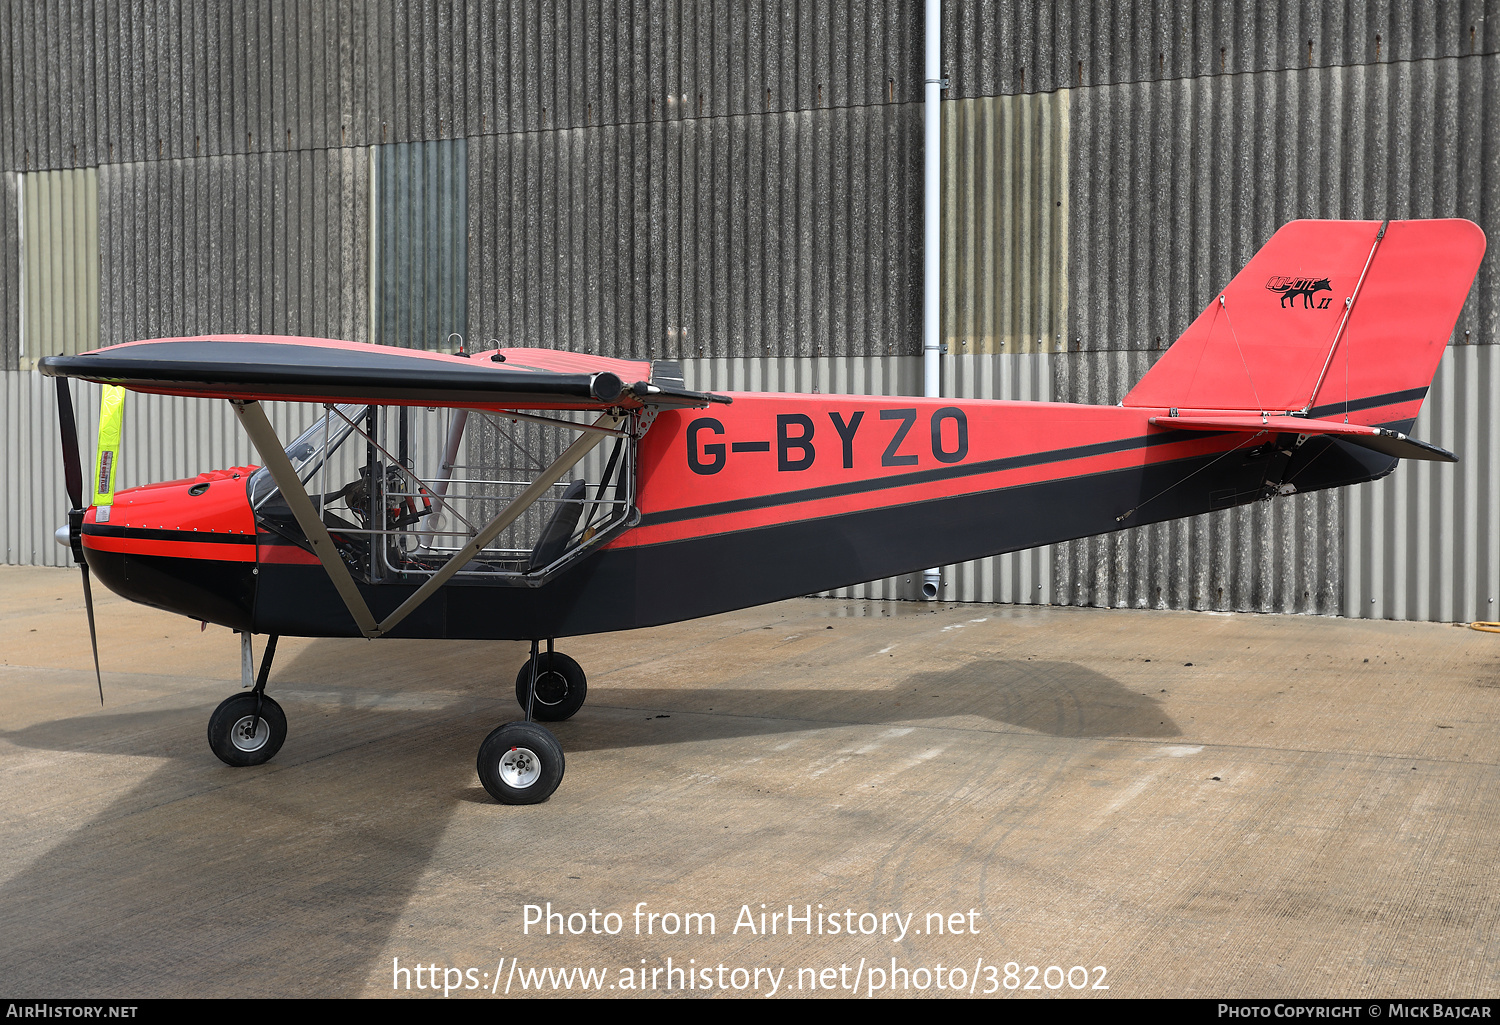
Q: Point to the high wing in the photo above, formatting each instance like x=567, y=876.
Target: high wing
x=246, y=369
x=259, y=367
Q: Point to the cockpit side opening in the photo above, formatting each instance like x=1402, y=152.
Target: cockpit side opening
x=404, y=490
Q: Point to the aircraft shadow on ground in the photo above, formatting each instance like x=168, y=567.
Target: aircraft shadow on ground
x=1058, y=699
x=184, y=883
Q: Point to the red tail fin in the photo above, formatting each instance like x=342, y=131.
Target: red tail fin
x=1277, y=339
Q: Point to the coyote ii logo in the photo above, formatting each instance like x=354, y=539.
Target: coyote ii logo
x=1290, y=288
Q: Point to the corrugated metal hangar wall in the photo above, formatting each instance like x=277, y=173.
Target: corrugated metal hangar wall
x=738, y=185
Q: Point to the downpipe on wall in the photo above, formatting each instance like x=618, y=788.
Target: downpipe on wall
x=932, y=166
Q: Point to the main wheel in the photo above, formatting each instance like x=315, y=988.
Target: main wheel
x=560, y=687
x=520, y=763
x=239, y=737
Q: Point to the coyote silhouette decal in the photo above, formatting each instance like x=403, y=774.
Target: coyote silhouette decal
x=1290, y=288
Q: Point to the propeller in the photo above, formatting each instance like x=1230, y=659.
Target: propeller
x=73, y=476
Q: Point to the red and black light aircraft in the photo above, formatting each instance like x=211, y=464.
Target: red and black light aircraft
x=529, y=494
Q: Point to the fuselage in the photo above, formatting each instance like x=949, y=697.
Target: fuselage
x=771, y=497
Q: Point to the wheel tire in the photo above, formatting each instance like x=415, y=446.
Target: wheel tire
x=228, y=730
x=521, y=763
x=560, y=687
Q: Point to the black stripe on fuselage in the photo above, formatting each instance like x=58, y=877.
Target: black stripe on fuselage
x=163, y=534
x=858, y=487
x=1057, y=455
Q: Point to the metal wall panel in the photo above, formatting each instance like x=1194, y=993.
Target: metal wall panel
x=420, y=262
x=1024, y=578
x=1175, y=185
x=994, y=47
x=84, y=84
x=1280, y=556
x=267, y=244
x=892, y=375
x=1005, y=224
x=157, y=80
x=777, y=235
x=33, y=501
x=10, y=270
x=1424, y=543
x=59, y=310
x=561, y=65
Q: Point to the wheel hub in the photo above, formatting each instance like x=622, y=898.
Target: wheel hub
x=551, y=688
x=250, y=734
x=520, y=767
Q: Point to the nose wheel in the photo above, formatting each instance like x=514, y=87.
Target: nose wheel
x=242, y=734
x=249, y=728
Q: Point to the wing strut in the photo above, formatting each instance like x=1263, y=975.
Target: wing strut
x=272, y=453
x=571, y=456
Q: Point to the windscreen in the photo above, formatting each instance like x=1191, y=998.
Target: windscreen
x=311, y=454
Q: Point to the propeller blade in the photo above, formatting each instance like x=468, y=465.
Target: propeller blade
x=73, y=477
x=88, y=603
x=72, y=465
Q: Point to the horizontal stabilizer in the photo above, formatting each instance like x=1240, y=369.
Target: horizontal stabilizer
x=1392, y=443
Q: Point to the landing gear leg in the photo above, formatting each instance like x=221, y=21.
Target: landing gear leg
x=248, y=729
x=521, y=762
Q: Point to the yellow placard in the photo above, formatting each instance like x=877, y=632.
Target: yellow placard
x=106, y=467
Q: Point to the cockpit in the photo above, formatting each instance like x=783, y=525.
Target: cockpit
x=404, y=490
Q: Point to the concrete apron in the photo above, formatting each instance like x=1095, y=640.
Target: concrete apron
x=1162, y=803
